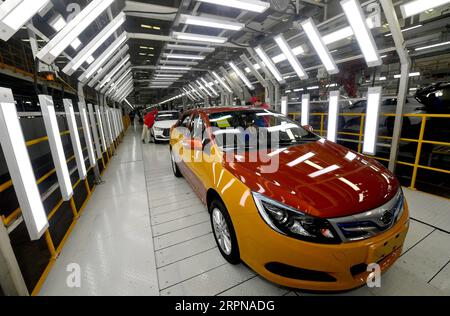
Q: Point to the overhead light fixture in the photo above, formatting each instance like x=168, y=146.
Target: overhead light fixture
x=382, y=78
x=75, y=138
x=111, y=74
x=190, y=48
x=305, y=110
x=150, y=27
x=287, y=51
x=94, y=44
x=247, y=5
x=222, y=83
x=418, y=6
x=199, y=38
x=208, y=22
x=19, y=165
x=90, y=60
x=319, y=46
x=111, y=63
x=15, y=13
x=184, y=56
x=372, y=117
x=432, y=46
x=103, y=57
x=209, y=86
x=168, y=76
x=58, y=23
x=202, y=87
x=355, y=17
x=412, y=74
x=72, y=30
x=56, y=147
x=269, y=64
x=117, y=78
x=407, y=29
x=241, y=75
x=174, y=68
x=312, y=88
x=333, y=116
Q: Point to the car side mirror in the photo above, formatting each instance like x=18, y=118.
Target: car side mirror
x=309, y=128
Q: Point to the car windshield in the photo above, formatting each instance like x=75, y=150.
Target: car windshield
x=167, y=116
x=257, y=129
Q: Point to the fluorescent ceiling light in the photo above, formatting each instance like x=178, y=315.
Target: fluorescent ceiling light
x=168, y=76
x=343, y=33
x=222, y=83
x=287, y=51
x=372, y=115
x=208, y=22
x=312, y=88
x=407, y=29
x=199, y=38
x=333, y=116
x=209, y=86
x=418, y=6
x=117, y=78
x=297, y=90
x=204, y=88
x=111, y=63
x=19, y=165
x=104, y=57
x=382, y=78
x=247, y=5
x=94, y=44
x=355, y=17
x=111, y=74
x=412, y=74
x=432, y=46
x=15, y=13
x=70, y=32
x=174, y=68
x=316, y=40
x=305, y=110
x=190, y=48
x=184, y=56
x=56, y=147
x=58, y=23
x=269, y=64
x=284, y=106
x=90, y=60
x=241, y=75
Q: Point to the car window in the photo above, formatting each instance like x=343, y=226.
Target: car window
x=186, y=121
x=197, y=127
x=167, y=116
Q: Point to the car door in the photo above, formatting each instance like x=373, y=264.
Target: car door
x=180, y=145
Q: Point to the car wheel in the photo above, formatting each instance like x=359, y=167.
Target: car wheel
x=175, y=169
x=224, y=232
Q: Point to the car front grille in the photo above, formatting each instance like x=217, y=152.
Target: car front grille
x=370, y=223
x=166, y=132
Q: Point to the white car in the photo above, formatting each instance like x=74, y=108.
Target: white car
x=161, y=128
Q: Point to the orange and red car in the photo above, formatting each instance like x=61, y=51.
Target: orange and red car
x=299, y=210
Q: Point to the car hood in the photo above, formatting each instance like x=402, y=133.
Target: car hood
x=165, y=124
x=320, y=178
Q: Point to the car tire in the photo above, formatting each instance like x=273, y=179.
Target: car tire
x=223, y=232
x=175, y=169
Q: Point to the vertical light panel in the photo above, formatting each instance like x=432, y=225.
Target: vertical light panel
x=75, y=138
x=119, y=117
x=284, y=106
x=56, y=147
x=19, y=167
x=100, y=127
x=113, y=118
x=104, y=111
x=333, y=116
x=87, y=134
x=305, y=110
x=94, y=129
x=357, y=20
x=372, y=117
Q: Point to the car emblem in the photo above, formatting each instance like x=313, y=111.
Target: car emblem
x=387, y=217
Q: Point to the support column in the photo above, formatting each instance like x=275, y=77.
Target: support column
x=405, y=65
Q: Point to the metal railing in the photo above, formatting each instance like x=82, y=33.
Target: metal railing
x=360, y=138
x=15, y=215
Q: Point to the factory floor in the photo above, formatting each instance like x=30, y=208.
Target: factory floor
x=145, y=232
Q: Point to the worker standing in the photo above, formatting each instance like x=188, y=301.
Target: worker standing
x=149, y=120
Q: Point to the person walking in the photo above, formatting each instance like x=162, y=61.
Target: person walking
x=149, y=120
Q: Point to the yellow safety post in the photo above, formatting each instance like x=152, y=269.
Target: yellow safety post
x=50, y=245
x=419, y=150
x=74, y=208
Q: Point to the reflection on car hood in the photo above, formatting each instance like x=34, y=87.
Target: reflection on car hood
x=320, y=178
x=165, y=124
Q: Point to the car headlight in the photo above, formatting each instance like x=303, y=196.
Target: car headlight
x=291, y=222
x=157, y=129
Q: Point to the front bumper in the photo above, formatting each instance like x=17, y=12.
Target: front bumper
x=162, y=135
x=344, y=264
